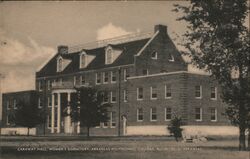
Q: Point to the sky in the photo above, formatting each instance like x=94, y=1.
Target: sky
x=31, y=31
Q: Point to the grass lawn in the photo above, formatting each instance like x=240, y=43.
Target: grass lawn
x=121, y=149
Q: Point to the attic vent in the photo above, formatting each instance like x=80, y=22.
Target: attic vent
x=59, y=64
x=170, y=58
x=154, y=55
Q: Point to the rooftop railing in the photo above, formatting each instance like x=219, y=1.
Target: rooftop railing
x=105, y=42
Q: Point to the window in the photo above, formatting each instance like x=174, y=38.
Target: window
x=49, y=102
x=98, y=78
x=170, y=58
x=109, y=56
x=213, y=93
x=154, y=55
x=74, y=80
x=198, y=91
x=153, y=92
x=49, y=84
x=106, y=123
x=14, y=104
x=8, y=117
x=40, y=104
x=145, y=72
x=125, y=95
x=198, y=114
x=60, y=81
x=168, y=114
x=49, y=121
x=113, y=77
x=105, y=77
x=83, y=60
x=8, y=105
x=213, y=114
x=112, y=120
x=39, y=85
x=104, y=97
x=139, y=114
x=59, y=64
x=113, y=96
x=139, y=93
x=153, y=115
x=168, y=91
x=83, y=80
x=126, y=74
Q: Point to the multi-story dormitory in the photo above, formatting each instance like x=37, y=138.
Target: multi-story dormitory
x=147, y=81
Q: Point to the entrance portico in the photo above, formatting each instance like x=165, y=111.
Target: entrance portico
x=57, y=114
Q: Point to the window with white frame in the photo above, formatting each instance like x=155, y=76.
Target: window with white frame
x=168, y=91
x=98, y=78
x=126, y=74
x=213, y=93
x=168, y=114
x=15, y=104
x=113, y=119
x=113, y=76
x=170, y=58
x=153, y=91
x=139, y=93
x=105, y=77
x=83, y=79
x=109, y=56
x=198, y=114
x=154, y=55
x=59, y=64
x=213, y=114
x=106, y=123
x=83, y=60
x=139, y=114
x=198, y=91
x=125, y=95
x=113, y=96
x=105, y=98
x=153, y=114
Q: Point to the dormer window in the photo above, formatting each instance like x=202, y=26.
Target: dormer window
x=171, y=58
x=109, y=56
x=154, y=55
x=82, y=60
x=59, y=64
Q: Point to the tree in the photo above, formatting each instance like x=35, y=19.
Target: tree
x=218, y=41
x=175, y=127
x=89, y=109
x=28, y=114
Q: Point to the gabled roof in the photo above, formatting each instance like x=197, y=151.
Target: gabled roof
x=129, y=49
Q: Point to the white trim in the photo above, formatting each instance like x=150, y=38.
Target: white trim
x=149, y=41
x=151, y=94
x=156, y=55
x=49, y=103
x=83, y=53
x=166, y=97
x=151, y=114
x=74, y=80
x=200, y=114
x=137, y=115
x=215, y=91
x=81, y=78
x=48, y=84
x=172, y=58
x=111, y=118
x=137, y=94
x=8, y=104
x=39, y=86
x=58, y=69
x=125, y=74
x=106, y=55
x=166, y=114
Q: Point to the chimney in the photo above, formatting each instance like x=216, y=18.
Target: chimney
x=161, y=28
x=62, y=49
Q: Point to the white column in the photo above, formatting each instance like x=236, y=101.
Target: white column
x=124, y=125
x=58, y=112
x=53, y=113
x=67, y=120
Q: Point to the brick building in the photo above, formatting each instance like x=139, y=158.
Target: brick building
x=147, y=81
